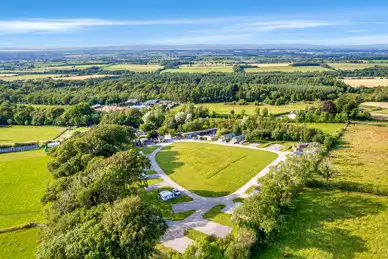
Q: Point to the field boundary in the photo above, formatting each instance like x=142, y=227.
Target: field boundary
x=23, y=226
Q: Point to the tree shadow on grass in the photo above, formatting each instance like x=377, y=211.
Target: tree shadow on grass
x=312, y=224
x=168, y=160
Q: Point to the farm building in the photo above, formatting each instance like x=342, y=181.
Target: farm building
x=131, y=102
x=227, y=137
x=292, y=115
x=192, y=134
x=237, y=139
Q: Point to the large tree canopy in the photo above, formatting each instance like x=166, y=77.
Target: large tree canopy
x=74, y=154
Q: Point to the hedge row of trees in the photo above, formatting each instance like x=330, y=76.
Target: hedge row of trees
x=179, y=87
x=94, y=209
x=76, y=115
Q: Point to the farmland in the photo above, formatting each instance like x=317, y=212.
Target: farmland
x=81, y=77
x=12, y=134
x=27, y=77
x=23, y=180
x=211, y=170
x=367, y=82
x=200, y=69
x=250, y=108
x=133, y=67
x=352, y=66
x=333, y=224
x=271, y=68
x=361, y=159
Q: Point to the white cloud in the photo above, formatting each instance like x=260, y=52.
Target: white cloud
x=286, y=24
x=60, y=25
x=208, y=39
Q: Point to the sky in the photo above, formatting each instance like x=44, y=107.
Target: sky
x=84, y=23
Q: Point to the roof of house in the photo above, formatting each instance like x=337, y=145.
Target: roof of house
x=229, y=135
x=199, y=132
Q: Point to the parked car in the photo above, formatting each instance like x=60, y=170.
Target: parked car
x=166, y=195
x=176, y=192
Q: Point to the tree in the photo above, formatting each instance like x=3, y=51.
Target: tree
x=326, y=171
x=128, y=228
x=264, y=112
x=257, y=111
x=74, y=154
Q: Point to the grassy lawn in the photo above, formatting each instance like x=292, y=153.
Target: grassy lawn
x=154, y=181
x=148, y=149
x=19, y=244
x=329, y=128
x=199, y=69
x=362, y=158
x=250, y=189
x=166, y=206
x=263, y=68
x=133, y=67
x=23, y=180
x=215, y=214
x=212, y=170
x=333, y=224
x=13, y=134
x=195, y=234
x=250, y=108
x=287, y=145
x=163, y=252
x=383, y=111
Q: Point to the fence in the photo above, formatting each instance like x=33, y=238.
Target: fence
x=17, y=149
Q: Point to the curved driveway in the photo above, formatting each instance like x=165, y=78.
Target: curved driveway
x=174, y=236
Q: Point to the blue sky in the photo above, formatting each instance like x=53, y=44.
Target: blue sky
x=110, y=23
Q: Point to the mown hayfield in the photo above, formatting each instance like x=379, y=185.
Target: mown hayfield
x=133, y=67
x=23, y=181
x=353, y=66
x=200, y=69
x=288, y=69
x=211, y=170
x=376, y=104
x=367, y=82
x=27, y=77
x=11, y=134
x=333, y=224
x=250, y=108
x=362, y=157
x=19, y=244
x=82, y=77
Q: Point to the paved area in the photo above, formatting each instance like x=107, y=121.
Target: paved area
x=174, y=236
x=275, y=147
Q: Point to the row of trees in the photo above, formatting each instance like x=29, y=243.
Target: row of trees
x=179, y=87
x=94, y=209
x=76, y=115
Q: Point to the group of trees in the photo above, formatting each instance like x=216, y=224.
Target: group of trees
x=80, y=115
x=181, y=87
x=75, y=115
x=94, y=209
x=341, y=110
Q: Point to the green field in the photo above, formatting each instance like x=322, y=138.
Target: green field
x=28, y=77
x=215, y=214
x=382, y=111
x=333, y=224
x=133, y=67
x=199, y=69
x=212, y=170
x=361, y=158
x=329, y=128
x=19, y=244
x=148, y=149
x=23, y=181
x=13, y=134
x=222, y=108
x=287, y=69
x=354, y=66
